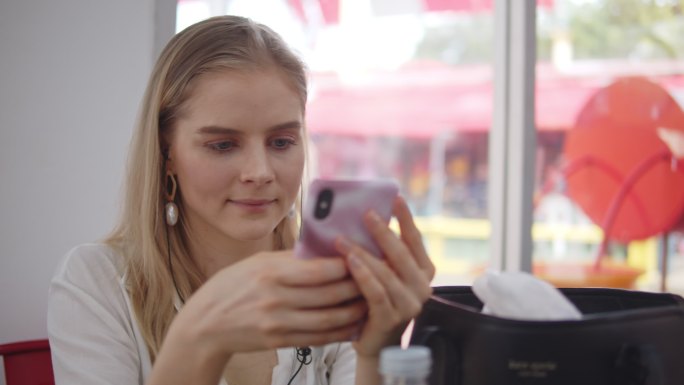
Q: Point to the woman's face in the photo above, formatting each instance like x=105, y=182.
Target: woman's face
x=237, y=151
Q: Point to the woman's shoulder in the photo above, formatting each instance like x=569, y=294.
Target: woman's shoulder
x=96, y=263
x=89, y=321
x=89, y=280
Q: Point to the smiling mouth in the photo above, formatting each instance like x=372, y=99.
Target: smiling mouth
x=252, y=202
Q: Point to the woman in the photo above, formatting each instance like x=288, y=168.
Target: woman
x=198, y=283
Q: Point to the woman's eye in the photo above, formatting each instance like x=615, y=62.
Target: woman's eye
x=282, y=143
x=222, y=146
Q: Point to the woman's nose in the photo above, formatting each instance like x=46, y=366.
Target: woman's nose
x=257, y=167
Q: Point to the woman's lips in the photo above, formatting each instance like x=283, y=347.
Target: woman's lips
x=254, y=205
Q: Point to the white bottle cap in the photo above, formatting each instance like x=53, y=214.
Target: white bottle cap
x=414, y=361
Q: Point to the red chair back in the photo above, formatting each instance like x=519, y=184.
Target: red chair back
x=27, y=363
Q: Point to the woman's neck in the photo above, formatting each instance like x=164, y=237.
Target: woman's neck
x=213, y=253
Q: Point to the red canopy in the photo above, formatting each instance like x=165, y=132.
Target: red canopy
x=330, y=9
x=470, y=5
x=429, y=98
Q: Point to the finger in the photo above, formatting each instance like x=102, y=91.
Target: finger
x=395, y=251
x=373, y=291
x=314, y=320
x=404, y=266
x=406, y=300
x=306, y=272
x=412, y=236
x=345, y=333
x=326, y=295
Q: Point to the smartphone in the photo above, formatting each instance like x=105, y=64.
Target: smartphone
x=335, y=207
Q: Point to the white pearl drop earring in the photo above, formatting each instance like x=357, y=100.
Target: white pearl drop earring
x=171, y=214
x=171, y=209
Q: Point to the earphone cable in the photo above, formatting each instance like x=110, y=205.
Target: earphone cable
x=173, y=276
x=304, y=358
x=301, y=363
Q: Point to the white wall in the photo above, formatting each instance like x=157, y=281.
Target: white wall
x=71, y=76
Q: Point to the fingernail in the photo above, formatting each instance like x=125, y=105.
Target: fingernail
x=402, y=202
x=374, y=217
x=343, y=245
x=354, y=261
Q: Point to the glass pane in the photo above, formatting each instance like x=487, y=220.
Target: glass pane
x=401, y=89
x=610, y=92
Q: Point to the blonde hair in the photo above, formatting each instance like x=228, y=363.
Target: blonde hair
x=215, y=44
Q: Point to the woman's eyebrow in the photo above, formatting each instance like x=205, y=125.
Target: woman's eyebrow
x=294, y=124
x=217, y=130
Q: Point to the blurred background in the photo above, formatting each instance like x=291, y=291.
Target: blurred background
x=399, y=88
x=404, y=89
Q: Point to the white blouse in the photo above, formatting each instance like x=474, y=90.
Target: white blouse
x=95, y=339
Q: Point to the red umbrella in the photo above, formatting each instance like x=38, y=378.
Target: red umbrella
x=621, y=173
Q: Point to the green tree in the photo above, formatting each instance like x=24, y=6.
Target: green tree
x=599, y=29
x=647, y=29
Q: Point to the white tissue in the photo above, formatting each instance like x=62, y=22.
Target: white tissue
x=522, y=296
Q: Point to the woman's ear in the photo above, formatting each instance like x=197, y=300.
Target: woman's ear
x=165, y=142
x=168, y=161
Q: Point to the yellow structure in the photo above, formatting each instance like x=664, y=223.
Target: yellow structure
x=459, y=246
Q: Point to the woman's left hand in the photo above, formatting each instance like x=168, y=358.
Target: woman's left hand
x=395, y=287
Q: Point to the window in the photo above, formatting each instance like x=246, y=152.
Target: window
x=405, y=89
x=399, y=89
x=609, y=74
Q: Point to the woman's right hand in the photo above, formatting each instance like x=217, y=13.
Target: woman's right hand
x=272, y=300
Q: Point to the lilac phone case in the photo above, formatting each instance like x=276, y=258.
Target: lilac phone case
x=351, y=200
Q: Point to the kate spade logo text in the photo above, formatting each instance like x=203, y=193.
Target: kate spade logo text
x=532, y=369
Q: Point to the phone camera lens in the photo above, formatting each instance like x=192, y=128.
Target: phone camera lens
x=323, y=204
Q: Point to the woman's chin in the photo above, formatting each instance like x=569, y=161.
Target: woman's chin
x=252, y=234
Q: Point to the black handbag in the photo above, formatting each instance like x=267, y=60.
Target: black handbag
x=625, y=338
